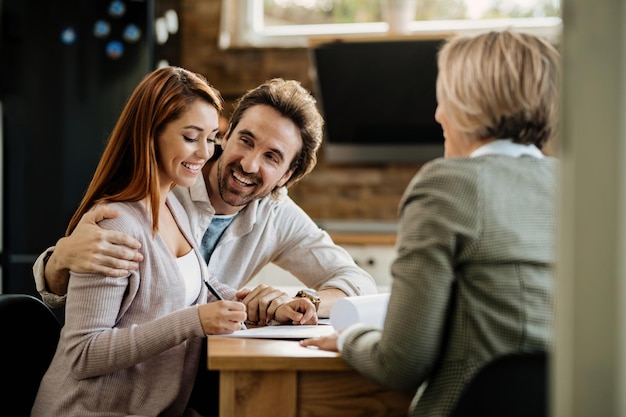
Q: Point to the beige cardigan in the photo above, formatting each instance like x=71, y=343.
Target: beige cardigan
x=130, y=346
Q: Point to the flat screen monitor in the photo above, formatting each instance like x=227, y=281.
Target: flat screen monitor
x=378, y=100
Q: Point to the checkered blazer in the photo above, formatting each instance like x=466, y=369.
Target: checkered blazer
x=473, y=277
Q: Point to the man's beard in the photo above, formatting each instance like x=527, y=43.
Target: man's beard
x=232, y=198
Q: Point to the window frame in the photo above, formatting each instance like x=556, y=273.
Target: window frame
x=240, y=29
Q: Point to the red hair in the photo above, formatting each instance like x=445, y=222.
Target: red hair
x=128, y=169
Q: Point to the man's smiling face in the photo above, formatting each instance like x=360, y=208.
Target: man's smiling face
x=257, y=156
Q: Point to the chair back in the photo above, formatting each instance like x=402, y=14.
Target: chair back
x=29, y=335
x=512, y=385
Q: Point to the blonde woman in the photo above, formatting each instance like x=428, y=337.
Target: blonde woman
x=473, y=278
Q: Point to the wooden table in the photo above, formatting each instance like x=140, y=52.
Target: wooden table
x=260, y=377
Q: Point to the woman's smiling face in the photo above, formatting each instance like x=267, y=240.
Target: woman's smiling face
x=186, y=144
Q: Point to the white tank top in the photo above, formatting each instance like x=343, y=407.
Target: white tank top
x=190, y=268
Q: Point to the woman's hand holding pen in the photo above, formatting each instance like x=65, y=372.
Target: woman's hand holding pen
x=217, y=295
x=222, y=317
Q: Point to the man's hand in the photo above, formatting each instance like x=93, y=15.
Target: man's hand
x=90, y=249
x=297, y=311
x=329, y=297
x=263, y=302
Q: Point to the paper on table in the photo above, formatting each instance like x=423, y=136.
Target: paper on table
x=367, y=309
x=294, y=332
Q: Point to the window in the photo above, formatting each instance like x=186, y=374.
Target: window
x=290, y=23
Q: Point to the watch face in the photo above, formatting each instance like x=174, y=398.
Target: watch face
x=309, y=294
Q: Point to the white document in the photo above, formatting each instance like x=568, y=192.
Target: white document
x=285, y=331
x=367, y=309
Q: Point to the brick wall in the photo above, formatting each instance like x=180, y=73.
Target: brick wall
x=336, y=192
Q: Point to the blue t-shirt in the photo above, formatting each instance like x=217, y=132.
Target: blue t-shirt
x=219, y=223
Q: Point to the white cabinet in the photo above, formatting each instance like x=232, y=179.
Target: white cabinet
x=375, y=259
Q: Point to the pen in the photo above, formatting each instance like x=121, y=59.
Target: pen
x=219, y=297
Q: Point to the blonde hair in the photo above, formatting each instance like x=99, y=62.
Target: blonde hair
x=501, y=85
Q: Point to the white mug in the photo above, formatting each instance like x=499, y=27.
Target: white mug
x=398, y=14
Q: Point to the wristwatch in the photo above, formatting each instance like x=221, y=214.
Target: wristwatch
x=311, y=295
